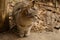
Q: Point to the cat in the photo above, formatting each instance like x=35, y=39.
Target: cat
x=24, y=16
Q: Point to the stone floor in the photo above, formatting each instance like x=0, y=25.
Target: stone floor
x=33, y=36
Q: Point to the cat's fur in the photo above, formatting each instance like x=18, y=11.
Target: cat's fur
x=24, y=16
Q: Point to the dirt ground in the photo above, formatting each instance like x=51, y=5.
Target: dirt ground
x=33, y=36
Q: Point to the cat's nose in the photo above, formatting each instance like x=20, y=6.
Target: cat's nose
x=35, y=15
x=30, y=14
